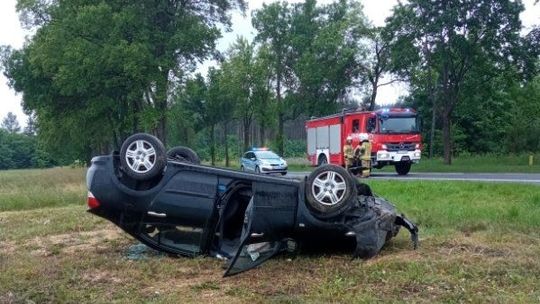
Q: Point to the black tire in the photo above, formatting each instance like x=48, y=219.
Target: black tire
x=402, y=168
x=283, y=173
x=328, y=206
x=184, y=154
x=322, y=160
x=143, y=157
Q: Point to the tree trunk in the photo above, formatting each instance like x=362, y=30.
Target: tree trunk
x=432, y=131
x=226, y=132
x=279, y=139
x=373, y=95
x=447, y=137
x=262, y=134
x=212, y=145
x=162, y=125
x=246, y=131
x=161, y=107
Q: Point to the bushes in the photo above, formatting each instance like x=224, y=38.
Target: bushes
x=21, y=151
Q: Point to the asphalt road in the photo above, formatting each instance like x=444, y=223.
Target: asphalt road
x=529, y=178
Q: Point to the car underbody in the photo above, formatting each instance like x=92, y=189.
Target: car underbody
x=190, y=209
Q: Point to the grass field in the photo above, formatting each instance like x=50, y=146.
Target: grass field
x=464, y=164
x=479, y=243
x=480, y=163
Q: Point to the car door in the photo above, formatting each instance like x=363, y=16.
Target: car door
x=250, y=164
x=244, y=161
x=181, y=217
x=268, y=221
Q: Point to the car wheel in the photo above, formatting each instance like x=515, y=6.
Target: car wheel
x=329, y=191
x=257, y=170
x=142, y=156
x=402, y=168
x=184, y=154
x=322, y=160
x=283, y=173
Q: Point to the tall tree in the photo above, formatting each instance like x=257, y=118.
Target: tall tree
x=273, y=24
x=112, y=63
x=31, y=128
x=324, y=44
x=10, y=123
x=459, y=35
x=263, y=97
x=238, y=81
x=374, y=62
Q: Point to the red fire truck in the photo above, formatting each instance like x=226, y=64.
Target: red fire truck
x=393, y=132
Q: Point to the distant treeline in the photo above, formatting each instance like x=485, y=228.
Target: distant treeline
x=96, y=71
x=19, y=149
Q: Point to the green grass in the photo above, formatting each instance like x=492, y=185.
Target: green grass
x=466, y=164
x=479, y=164
x=38, y=188
x=479, y=243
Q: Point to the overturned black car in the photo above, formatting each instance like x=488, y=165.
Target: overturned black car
x=171, y=203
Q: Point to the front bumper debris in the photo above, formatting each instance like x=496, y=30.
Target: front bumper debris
x=374, y=221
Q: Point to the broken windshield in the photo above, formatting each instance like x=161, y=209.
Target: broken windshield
x=398, y=125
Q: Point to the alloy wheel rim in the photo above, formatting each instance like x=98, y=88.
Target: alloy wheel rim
x=328, y=188
x=141, y=156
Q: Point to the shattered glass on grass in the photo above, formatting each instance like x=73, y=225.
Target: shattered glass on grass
x=141, y=252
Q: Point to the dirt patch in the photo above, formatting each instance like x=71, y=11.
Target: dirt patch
x=454, y=247
x=72, y=243
x=7, y=247
x=100, y=276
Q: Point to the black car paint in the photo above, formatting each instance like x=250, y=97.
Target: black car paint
x=190, y=195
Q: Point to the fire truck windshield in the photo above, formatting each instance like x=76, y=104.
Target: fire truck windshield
x=398, y=124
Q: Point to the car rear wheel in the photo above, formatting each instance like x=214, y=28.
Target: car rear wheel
x=184, y=154
x=402, y=168
x=142, y=156
x=329, y=191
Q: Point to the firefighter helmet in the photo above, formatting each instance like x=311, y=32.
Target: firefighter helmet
x=349, y=139
x=363, y=137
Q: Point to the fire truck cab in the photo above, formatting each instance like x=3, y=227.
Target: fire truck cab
x=393, y=132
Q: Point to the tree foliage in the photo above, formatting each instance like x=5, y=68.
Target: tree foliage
x=10, y=123
x=96, y=71
x=453, y=37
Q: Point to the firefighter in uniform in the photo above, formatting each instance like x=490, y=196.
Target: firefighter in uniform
x=348, y=152
x=365, y=150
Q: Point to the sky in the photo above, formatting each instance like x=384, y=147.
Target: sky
x=11, y=33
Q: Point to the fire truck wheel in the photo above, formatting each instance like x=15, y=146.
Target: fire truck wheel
x=329, y=191
x=184, y=154
x=322, y=160
x=142, y=156
x=402, y=168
